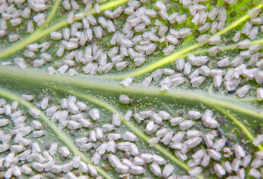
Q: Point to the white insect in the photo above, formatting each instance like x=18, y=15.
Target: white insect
x=64, y=151
x=124, y=99
x=156, y=170
x=94, y=114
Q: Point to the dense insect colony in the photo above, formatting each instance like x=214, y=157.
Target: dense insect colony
x=194, y=137
x=146, y=32
x=209, y=149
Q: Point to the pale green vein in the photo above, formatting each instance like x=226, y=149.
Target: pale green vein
x=42, y=33
x=62, y=136
x=248, y=99
x=140, y=134
x=52, y=13
x=178, y=54
x=233, y=119
x=183, y=55
x=239, y=124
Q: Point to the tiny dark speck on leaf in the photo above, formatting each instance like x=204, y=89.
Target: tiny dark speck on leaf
x=107, y=167
x=126, y=177
x=259, y=130
x=227, y=6
x=73, y=133
x=176, y=7
x=221, y=120
x=47, y=146
x=180, y=112
x=228, y=142
x=197, y=33
x=76, y=172
x=231, y=91
x=199, y=125
x=51, y=100
x=243, y=9
x=220, y=132
x=50, y=176
x=231, y=136
x=250, y=4
x=233, y=14
x=92, y=152
x=40, y=96
x=127, y=155
x=214, y=2
x=104, y=157
x=64, y=12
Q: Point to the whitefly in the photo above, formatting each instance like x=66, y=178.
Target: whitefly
x=36, y=148
x=193, y=142
x=235, y=164
x=39, y=19
x=195, y=171
x=161, y=132
x=116, y=121
x=214, y=154
x=213, y=51
x=176, y=120
x=208, y=139
x=121, y=65
x=26, y=170
x=214, y=40
x=99, y=133
x=180, y=155
x=186, y=124
x=223, y=63
x=94, y=114
x=39, y=133
x=187, y=68
x=168, y=50
x=254, y=32
x=64, y=151
x=204, y=28
x=193, y=133
x=171, y=39
x=259, y=93
x=13, y=37
x=167, y=138
x=151, y=127
x=92, y=136
x=197, y=81
x=155, y=169
x=219, y=170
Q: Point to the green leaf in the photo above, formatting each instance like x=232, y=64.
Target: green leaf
x=239, y=118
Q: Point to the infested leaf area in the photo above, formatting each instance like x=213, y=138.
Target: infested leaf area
x=240, y=118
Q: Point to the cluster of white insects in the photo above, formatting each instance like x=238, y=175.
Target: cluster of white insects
x=194, y=137
x=142, y=34
x=202, y=150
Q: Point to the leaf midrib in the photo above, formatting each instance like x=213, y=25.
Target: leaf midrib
x=39, y=77
x=58, y=82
